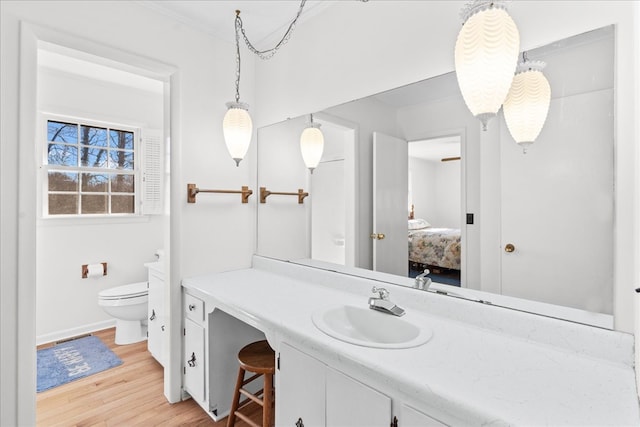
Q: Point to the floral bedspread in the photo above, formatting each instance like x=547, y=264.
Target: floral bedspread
x=435, y=246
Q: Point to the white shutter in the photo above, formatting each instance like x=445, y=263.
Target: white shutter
x=152, y=178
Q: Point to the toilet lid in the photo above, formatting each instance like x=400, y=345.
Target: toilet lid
x=126, y=291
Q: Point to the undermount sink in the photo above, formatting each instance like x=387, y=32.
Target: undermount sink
x=369, y=328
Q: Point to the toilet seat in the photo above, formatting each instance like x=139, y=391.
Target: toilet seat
x=133, y=290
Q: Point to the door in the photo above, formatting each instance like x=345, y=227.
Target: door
x=390, y=212
x=561, y=233
x=411, y=417
x=300, y=385
x=194, y=359
x=351, y=403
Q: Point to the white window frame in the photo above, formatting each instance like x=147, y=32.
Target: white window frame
x=46, y=167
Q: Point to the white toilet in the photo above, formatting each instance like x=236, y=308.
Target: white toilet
x=128, y=304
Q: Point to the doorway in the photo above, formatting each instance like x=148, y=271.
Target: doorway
x=333, y=185
x=92, y=191
x=434, y=206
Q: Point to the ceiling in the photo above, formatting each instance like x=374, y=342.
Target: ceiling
x=263, y=20
x=435, y=149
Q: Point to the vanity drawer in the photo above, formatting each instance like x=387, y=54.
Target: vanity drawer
x=193, y=308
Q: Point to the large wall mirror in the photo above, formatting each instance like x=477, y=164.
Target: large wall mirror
x=408, y=181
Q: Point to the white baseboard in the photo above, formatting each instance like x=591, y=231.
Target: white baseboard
x=74, y=332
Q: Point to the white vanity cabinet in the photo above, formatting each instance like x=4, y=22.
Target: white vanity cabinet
x=311, y=394
x=194, y=345
x=156, y=312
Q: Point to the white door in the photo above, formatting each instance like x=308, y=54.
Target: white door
x=557, y=207
x=194, y=360
x=351, y=403
x=390, y=212
x=411, y=417
x=300, y=389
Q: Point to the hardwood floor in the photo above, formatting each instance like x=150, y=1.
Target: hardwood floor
x=128, y=395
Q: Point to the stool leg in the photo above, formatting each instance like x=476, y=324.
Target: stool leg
x=267, y=400
x=231, y=420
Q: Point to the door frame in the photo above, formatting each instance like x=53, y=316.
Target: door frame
x=31, y=35
x=462, y=134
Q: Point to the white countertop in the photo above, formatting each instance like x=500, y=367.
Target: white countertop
x=465, y=374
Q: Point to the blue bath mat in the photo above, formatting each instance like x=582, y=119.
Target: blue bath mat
x=72, y=360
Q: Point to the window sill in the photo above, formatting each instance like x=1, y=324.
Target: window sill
x=55, y=221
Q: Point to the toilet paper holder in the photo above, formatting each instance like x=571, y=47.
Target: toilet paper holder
x=85, y=270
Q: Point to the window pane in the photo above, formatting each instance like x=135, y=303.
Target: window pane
x=94, y=204
x=93, y=157
x=121, y=139
x=93, y=136
x=61, y=204
x=121, y=159
x=63, y=181
x=122, y=204
x=122, y=184
x=62, y=132
x=61, y=154
x=93, y=182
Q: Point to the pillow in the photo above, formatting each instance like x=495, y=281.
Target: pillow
x=418, y=224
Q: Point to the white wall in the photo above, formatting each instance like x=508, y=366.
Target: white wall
x=422, y=176
x=436, y=191
x=282, y=221
x=66, y=304
x=381, y=45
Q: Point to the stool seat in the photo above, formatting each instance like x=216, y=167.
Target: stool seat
x=258, y=357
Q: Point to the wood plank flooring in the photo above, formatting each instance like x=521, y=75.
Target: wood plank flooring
x=128, y=395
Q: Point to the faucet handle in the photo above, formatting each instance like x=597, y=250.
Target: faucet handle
x=382, y=292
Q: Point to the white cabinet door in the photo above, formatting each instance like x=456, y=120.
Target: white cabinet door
x=411, y=417
x=351, y=403
x=300, y=389
x=156, y=327
x=194, y=359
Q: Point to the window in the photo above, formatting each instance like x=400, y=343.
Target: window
x=90, y=169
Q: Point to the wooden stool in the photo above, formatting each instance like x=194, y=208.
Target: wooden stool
x=259, y=359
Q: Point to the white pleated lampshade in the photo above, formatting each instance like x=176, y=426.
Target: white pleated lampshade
x=526, y=107
x=237, y=128
x=312, y=145
x=486, y=55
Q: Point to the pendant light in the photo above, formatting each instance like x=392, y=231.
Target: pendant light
x=312, y=144
x=526, y=107
x=486, y=54
x=236, y=125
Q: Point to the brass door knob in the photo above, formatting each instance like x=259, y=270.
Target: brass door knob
x=509, y=248
x=377, y=236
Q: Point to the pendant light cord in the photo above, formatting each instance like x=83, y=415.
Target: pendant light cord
x=238, y=27
x=263, y=54
x=268, y=53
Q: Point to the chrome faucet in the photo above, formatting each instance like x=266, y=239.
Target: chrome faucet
x=422, y=281
x=382, y=303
